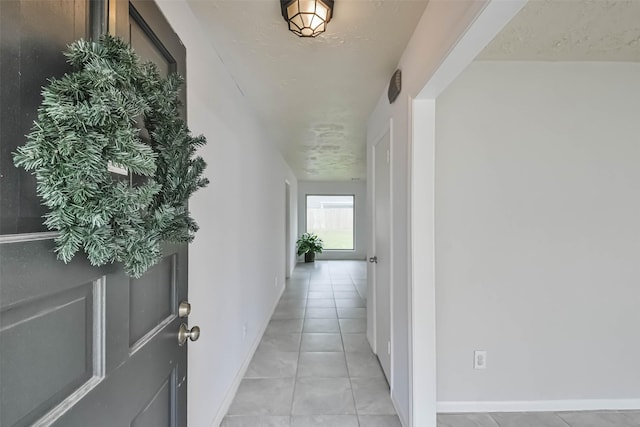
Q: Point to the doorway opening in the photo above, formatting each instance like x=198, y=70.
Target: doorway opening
x=287, y=229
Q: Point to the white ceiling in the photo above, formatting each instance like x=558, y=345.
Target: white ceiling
x=313, y=96
x=570, y=30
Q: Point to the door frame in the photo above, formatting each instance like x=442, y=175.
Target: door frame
x=422, y=115
x=372, y=322
x=287, y=229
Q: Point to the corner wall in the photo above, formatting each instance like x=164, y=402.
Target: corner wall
x=537, y=237
x=237, y=261
x=439, y=29
x=356, y=188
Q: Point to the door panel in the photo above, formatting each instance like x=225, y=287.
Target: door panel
x=133, y=388
x=157, y=412
x=147, y=49
x=30, y=48
x=51, y=329
x=33, y=329
x=382, y=269
x=151, y=300
x=79, y=345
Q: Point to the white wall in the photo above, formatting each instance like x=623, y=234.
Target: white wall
x=239, y=251
x=537, y=235
x=440, y=27
x=356, y=188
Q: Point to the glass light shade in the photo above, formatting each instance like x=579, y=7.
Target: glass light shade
x=307, y=18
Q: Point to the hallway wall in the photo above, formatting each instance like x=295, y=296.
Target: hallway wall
x=356, y=188
x=236, y=264
x=537, y=235
x=439, y=29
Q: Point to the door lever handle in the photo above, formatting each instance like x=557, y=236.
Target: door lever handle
x=373, y=260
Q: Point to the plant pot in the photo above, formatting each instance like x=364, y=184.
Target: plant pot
x=310, y=257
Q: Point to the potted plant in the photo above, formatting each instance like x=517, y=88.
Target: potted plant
x=309, y=244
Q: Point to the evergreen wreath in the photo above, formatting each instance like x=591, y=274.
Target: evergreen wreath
x=92, y=117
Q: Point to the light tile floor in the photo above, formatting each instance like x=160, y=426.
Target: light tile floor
x=314, y=366
x=557, y=419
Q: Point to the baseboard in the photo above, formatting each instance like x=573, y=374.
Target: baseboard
x=401, y=415
x=540, y=406
x=233, y=388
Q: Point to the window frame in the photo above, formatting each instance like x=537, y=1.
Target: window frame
x=353, y=220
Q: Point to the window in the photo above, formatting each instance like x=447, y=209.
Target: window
x=331, y=218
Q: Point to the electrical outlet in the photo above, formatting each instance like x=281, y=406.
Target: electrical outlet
x=480, y=359
x=244, y=331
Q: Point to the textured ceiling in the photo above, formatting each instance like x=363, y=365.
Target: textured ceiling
x=313, y=96
x=570, y=30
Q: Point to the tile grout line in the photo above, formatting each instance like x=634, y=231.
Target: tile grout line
x=557, y=414
x=305, y=286
x=494, y=420
x=295, y=376
x=353, y=396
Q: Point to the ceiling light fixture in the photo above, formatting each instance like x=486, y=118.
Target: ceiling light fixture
x=307, y=18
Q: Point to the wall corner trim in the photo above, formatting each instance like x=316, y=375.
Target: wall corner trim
x=404, y=418
x=539, y=405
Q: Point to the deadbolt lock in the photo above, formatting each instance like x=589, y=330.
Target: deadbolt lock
x=184, y=309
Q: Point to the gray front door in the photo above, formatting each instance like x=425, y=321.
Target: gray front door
x=79, y=345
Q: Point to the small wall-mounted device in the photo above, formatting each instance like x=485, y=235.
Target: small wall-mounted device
x=395, y=86
x=480, y=359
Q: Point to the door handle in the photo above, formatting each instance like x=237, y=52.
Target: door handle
x=184, y=333
x=184, y=309
x=373, y=260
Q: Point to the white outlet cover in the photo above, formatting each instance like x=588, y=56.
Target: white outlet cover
x=480, y=359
